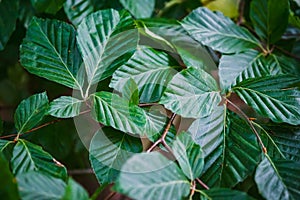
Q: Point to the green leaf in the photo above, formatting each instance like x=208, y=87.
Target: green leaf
x=218, y=32
x=65, y=107
x=189, y=155
x=265, y=15
x=49, y=50
x=34, y=185
x=152, y=176
x=294, y=20
x=31, y=111
x=109, y=150
x=30, y=157
x=75, y=191
x=112, y=110
x=47, y=6
x=8, y=186
x=8, y=19
x=105, y=41
x=224, y=194
x=131, y=92
x=230, y=148
x=279, y=179
x=139, y=8
x=273, y=96
x=150, y=69
x=192, y=93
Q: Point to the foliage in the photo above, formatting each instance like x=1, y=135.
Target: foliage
x=138, y=81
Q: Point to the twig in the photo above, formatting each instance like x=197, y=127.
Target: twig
x=264, y=149
x=241, y=12
x=80, y=171
x=148, y=104
x=202, y=184
x=193, y=188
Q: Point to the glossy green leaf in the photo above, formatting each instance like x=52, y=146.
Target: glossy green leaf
x=112, y=110
x=189, y=155
x=75, y=191
x=152, y=176
x=65, y=107
x=218, y=32
x=273, y=96
x=109, y=150
x=131, y=92
x=139, y=8
x=278, y=179
x=31, y=111
x=47, y=6
x=191, y=93
x=8, y=19
x=230, y=148
x=150, y=69
x=266, y=15
x=105, y=39
x=49, y=50
x=224, y=194
x=30, y=157
x=8, y=186
x=34, y=185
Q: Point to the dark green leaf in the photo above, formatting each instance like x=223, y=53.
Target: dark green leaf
x=34, y=185
x=273, y=96
x=49, y=50
x=4, y=143
x=8, y=19
x=131, y=92
x=26, y=12
x=279, y=179
x=266, y=15
x=105, y=39
x=151, y=176
x=8, y=186
x=31, y=111
x=225, y=194
x=139, y=8
x=47, y=6
x=230, y=148
x=30, y=157
x=65, y=107
x=189, y=155
x=112, y=110
x=1, y=126
x=75, y=191
x=109, y=150
x=150, y=69
x=218, y=32
x=191, y=93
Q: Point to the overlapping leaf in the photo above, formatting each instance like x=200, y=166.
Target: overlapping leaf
x=218, y=32
x=150, y=69
x=273, y=96
x=152, y=176
x=109, y=150
x=48, y=6
x=49, y=50
x=65, y=107
x=191, y=93
x=130, y=92
x=4, y=143
x=75, y=191
x=31, y=111
x=224, y=194
x=230, y=148
x=139, y=8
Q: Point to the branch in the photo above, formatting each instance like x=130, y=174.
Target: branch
x=80, y=171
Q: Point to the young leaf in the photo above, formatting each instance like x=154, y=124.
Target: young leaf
x=109, y=150
x=224, y=194
x=75, y=191
x=189, y=155
x=8, y=19
x=265, y=15
x=31, y=111
x=279, y=179
x=47, y=6
x=105, y=39
x=139, y=8
x=218, y=32
x=49, y=50
x=30, y=157
x=112, y=110
x=230, y=148
x=131, y=92
x=34, y=185
x=150, y=69
x=65, y=107
x=273, y=96
x=152, y=176
x=191, y=93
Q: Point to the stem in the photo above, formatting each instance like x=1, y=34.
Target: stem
x=264, y=149
x=193, y=188
x=98, y=191
x=80, y=171
x=241, y=12
x=169, y=5
x=202, y=184
x=148, y=104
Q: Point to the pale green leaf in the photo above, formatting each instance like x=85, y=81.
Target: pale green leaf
x=65, y=107
x=131, y=92
x=218, y=32
x=191, y=93
x=139, y=8
x=31, y=111
x=75, y=191
x=47, y=6
x=224, y=194
x=152, y=176
x=109, y=150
